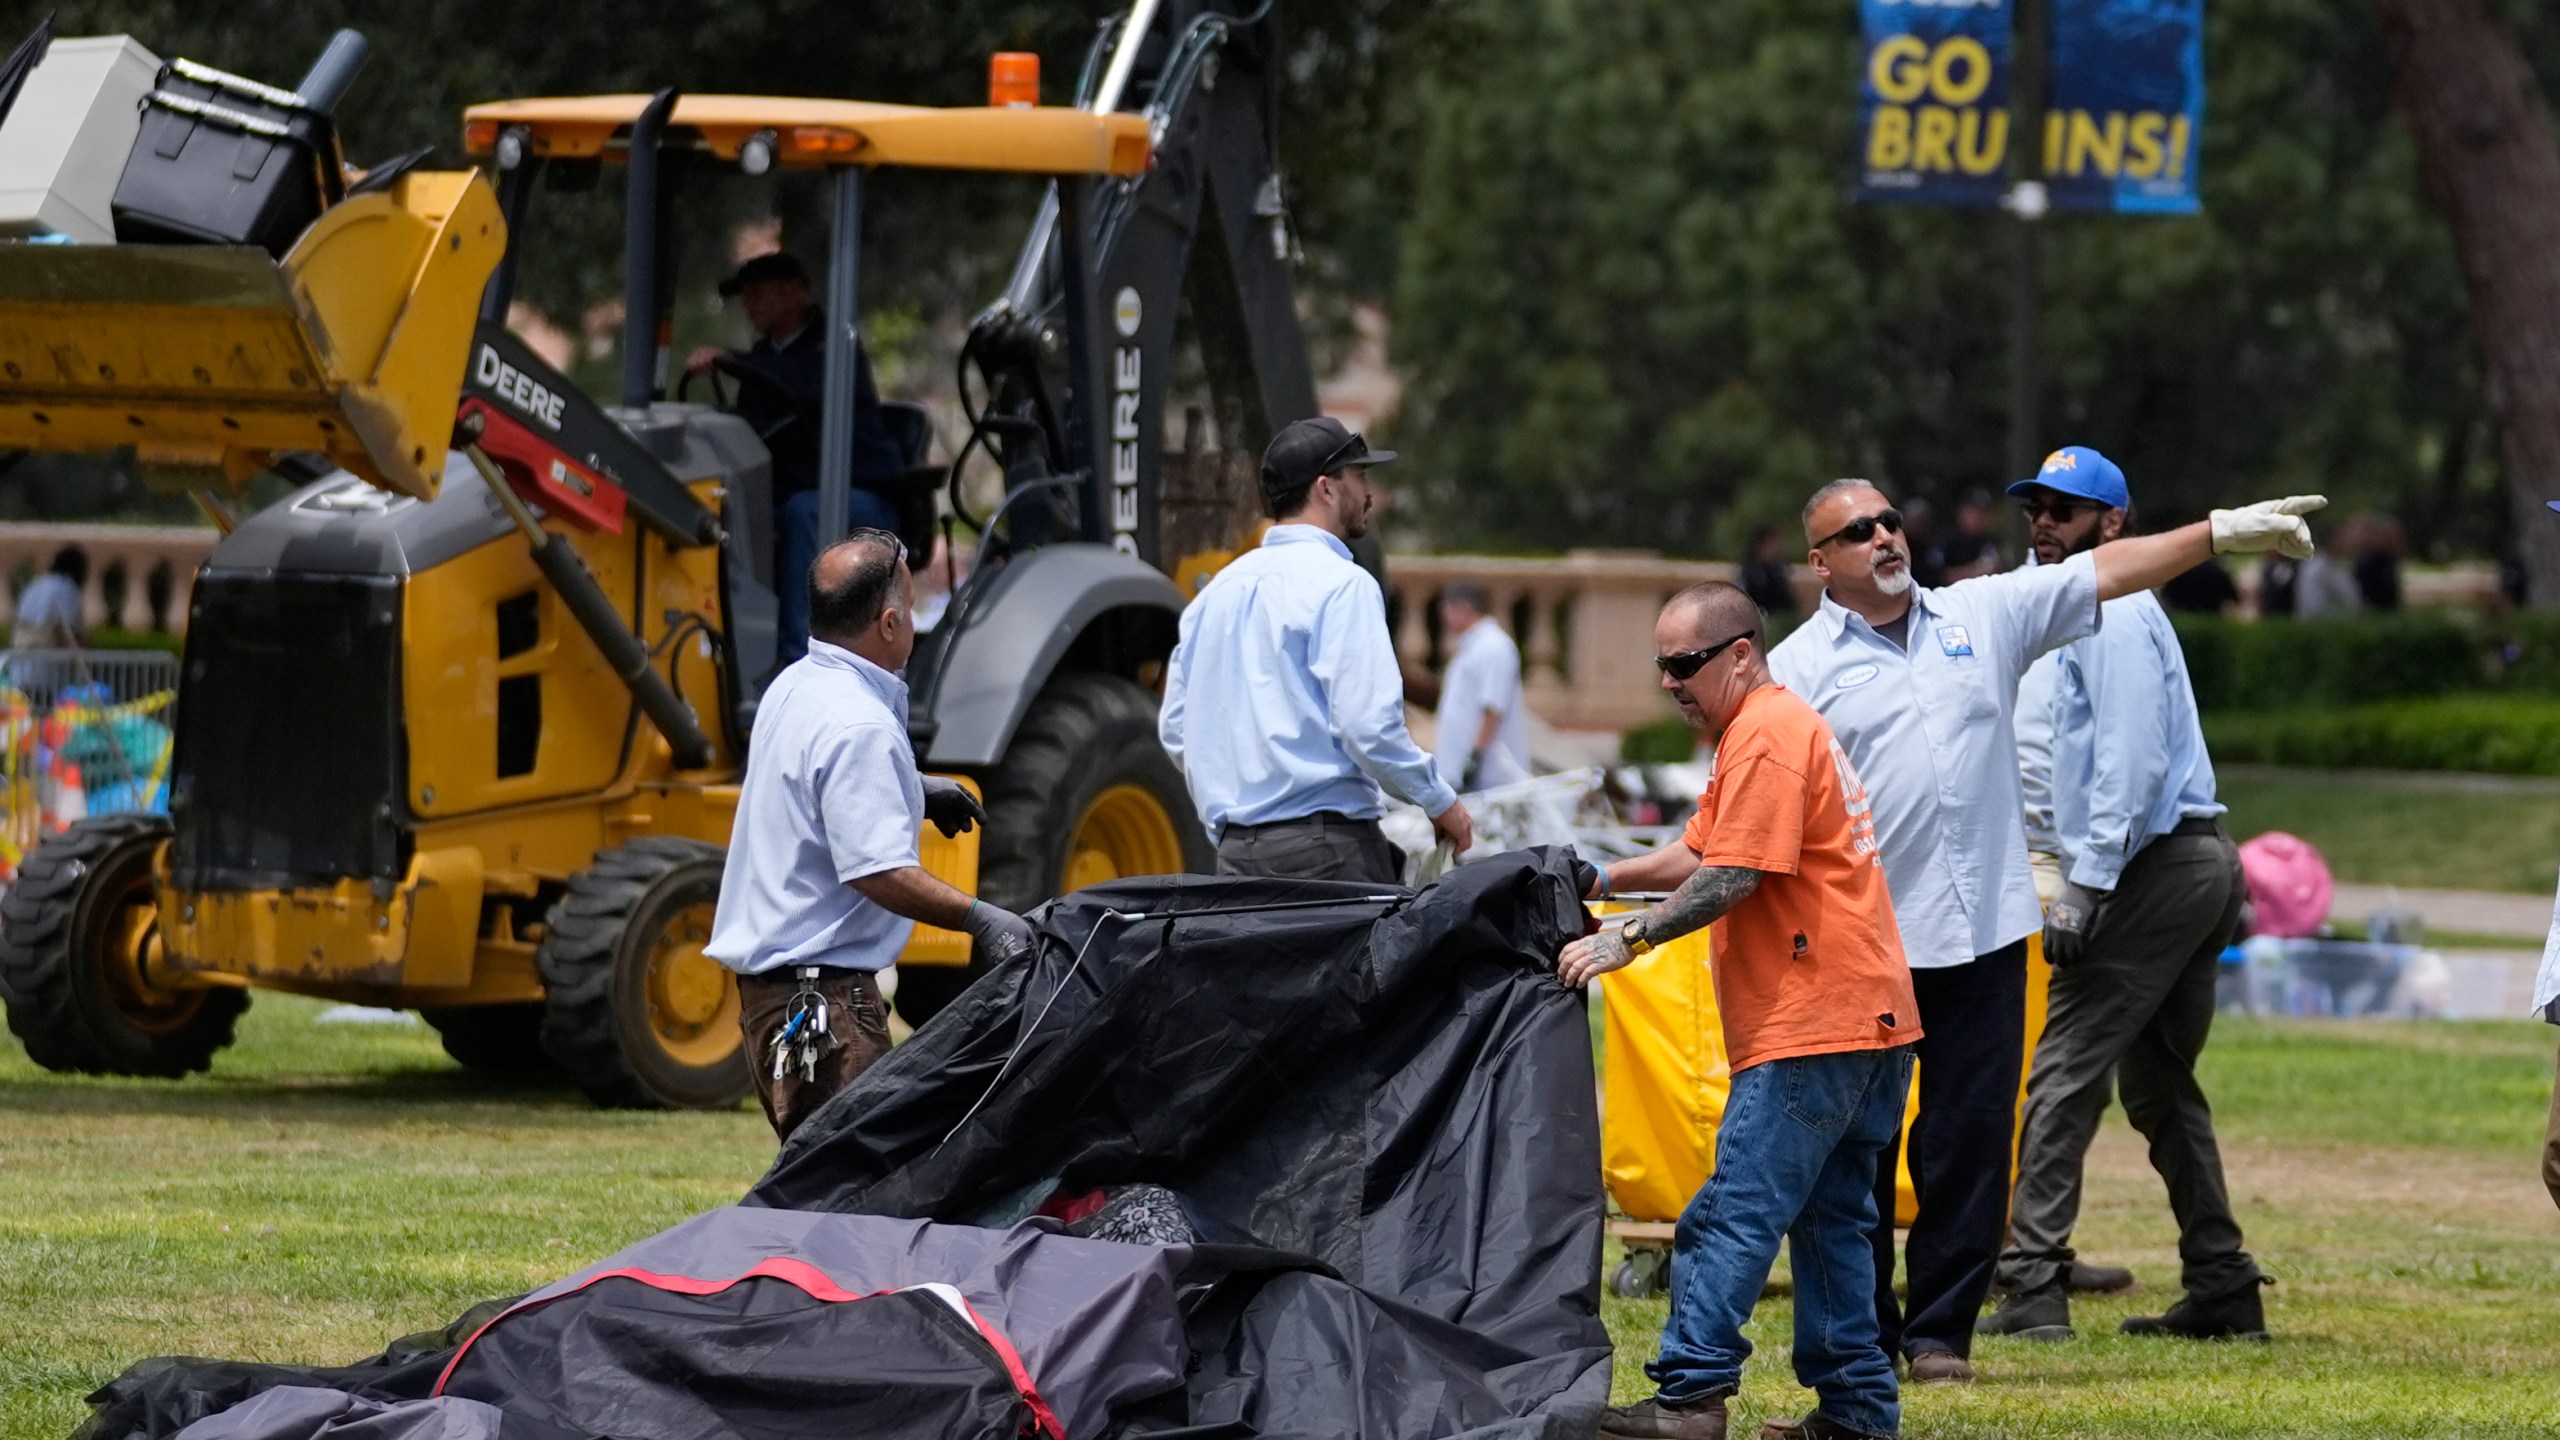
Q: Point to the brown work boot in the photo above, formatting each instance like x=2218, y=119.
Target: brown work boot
x=2232, y=1315
x=1816, y=1426
x=1940, y=1367
x=1655, y=1418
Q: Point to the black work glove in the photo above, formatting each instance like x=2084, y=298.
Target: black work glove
x=950, y=806
x=1001, y=934
x=1470, y=777
x=2068, y=922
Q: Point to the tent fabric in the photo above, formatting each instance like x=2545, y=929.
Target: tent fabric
x=1072, y=1328
x=309, y=1412
x=1372, y=1112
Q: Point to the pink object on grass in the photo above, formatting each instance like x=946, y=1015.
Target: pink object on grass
x=2289, y=885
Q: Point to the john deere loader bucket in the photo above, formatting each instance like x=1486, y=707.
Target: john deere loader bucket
x=211, y=360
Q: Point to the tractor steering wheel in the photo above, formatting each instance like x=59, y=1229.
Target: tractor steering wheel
x=746, y=375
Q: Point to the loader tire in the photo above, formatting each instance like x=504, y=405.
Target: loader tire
x=1084, y=794
x=633, y=1010
x=78, y=933
x=492, y=1039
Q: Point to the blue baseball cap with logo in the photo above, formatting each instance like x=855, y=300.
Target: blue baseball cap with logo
x=2079, y=471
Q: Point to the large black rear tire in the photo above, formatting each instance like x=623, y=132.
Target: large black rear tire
x=1084, y=794
x=633, y=1010
x=79, y=935
x=493, y=1039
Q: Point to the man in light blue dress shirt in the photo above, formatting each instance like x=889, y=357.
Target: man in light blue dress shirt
x=2151, y=893
x=1283, y=703
x=1920, y=685
x=823, y=881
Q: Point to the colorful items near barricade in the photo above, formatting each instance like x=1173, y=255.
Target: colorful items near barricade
x=80, y=736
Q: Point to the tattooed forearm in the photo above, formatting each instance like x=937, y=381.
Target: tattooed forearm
x=1700, y=901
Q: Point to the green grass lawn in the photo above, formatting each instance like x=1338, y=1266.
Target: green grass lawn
x=2452, y=832
x=331, y=1187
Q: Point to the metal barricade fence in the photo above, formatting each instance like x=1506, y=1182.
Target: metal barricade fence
x=82, y=732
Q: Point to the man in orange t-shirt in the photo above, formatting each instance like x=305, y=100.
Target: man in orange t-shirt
x=1781, y=860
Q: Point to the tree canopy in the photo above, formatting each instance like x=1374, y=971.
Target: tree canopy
x=1636, y=304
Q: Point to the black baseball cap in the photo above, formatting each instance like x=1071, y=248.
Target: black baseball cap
x=1305, y=449
x=780, y=265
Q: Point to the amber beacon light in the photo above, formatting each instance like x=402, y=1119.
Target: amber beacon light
x=1013, y=79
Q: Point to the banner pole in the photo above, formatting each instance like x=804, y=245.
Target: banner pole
x=2026, y=204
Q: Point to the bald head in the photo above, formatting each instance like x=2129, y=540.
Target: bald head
x=1715, y=611
x=861, y=598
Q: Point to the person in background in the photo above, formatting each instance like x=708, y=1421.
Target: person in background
x=1920, y=685
x=1767, y=575
x=2279, y=586
x=2323, y=585
x=824, y=882
x=1818, y=1017
x=2208, y=589
x=1922, y=540
x=787, y=407
x=2151, y=893
x=1972, y=550
x=1283, y=703
x=1482, y=729
x=945, y=571
x=2377, y=547
x=51, y=609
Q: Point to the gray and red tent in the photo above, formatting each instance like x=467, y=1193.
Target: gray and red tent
x=1224, y=1158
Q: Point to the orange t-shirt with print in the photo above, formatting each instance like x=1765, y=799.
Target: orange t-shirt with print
x=1810, y=963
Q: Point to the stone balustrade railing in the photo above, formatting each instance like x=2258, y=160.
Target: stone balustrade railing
x=134, y=552
x=1584, y=620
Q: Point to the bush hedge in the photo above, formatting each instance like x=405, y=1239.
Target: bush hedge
x=2499, y=734
x=2348, y=660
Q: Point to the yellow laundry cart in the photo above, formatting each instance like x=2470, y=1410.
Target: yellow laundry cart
x=1664, y=1078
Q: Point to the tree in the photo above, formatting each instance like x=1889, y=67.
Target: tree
x=2492, y=164
x=1636, y=304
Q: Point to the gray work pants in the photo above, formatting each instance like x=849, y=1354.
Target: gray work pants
x=2137, y=1006
x=1323, y=846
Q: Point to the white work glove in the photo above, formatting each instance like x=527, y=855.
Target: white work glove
x=2268, y=525
x=2047, y=870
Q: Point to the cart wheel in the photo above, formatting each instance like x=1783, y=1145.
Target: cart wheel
x=1628, y=1282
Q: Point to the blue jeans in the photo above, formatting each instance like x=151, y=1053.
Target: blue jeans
x=795, y=543
x=1796, y=1158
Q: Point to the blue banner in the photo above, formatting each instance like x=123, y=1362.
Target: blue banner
x=2125, y=105
x=1934, y=107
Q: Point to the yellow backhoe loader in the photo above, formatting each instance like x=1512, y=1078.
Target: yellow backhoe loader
x=461, y=719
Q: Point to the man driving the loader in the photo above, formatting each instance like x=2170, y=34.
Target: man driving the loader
x=824, y=881
x=782, y=394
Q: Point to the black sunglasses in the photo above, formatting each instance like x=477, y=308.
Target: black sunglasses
x=1690, y=662
x=1863, y=529
x=2061, y=511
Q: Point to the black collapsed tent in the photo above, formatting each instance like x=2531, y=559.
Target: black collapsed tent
x=1225, y=1158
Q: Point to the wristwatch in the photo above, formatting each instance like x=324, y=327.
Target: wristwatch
x=1631, y=935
